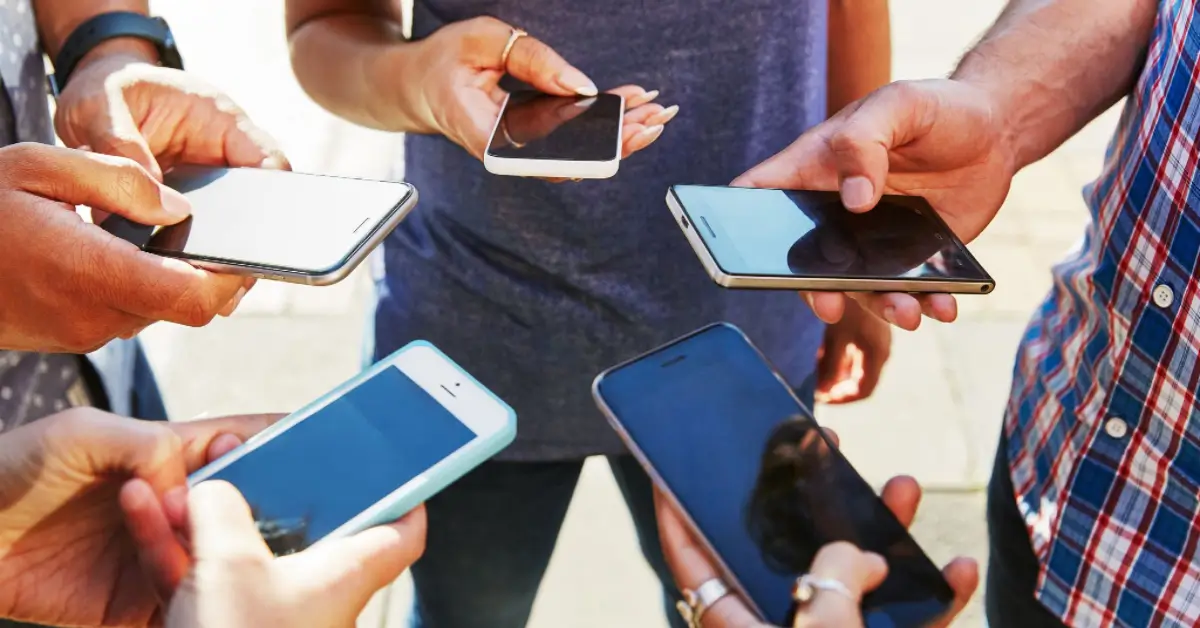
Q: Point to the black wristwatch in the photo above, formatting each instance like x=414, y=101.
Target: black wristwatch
x=108, y=26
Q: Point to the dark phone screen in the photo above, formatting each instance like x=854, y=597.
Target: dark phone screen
x=788, y=233
x=538, y=126
x=758, y=478
x=270, y=218
x=317, y=475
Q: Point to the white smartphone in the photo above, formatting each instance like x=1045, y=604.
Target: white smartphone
x=368, y=452
x=805, y=240
x=538, y=135
x=272, y=224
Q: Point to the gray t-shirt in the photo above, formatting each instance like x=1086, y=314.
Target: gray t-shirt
x=535, y=287
x=32, y=385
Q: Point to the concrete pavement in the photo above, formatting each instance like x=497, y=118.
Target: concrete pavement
x=935, y=415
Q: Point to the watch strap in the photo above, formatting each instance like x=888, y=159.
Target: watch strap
x=106, y=26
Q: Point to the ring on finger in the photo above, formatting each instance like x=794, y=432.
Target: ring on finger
x=508, y=46
x=695, y=603
x=807, y=587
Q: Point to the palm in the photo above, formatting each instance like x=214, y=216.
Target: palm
x=74, y=561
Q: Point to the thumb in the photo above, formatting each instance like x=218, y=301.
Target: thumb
x=861, y=144
x=220, y=524
x=351, y=570
x=111, y=184
x=541, y=67
x=120, y=141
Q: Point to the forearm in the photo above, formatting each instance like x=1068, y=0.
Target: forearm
x=350, y=61
x=57, y=19
x=860, y=50
x=1051, y=66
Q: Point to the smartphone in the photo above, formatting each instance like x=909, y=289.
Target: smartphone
x=804, y=240
x=538, y=135
x=368, y=452
x=273, y=224
x=725, y=438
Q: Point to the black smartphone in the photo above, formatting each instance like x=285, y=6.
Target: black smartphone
x=724, y=436
x=273, y=224
x=538, y=135
x=805, y=240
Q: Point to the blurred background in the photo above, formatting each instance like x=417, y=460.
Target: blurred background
x=936, y=414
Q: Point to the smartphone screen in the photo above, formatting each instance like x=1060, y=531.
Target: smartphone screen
x=789, y=233
x=315, y=476
x=270, y=218
x=757, y=477
x=539, y=126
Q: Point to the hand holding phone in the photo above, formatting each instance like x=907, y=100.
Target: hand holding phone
x=274, y=224
x=368, y=452
x=727, y=441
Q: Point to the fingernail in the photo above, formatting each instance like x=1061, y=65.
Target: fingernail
x=857, y=192
x=575, y=81
x=646, y=97
x=175, y=203
x=585, y=103
x=666, y=115
x=889, y=314
x=651, y=133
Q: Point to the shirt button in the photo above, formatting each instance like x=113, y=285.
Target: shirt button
x=1116, y=428
x=1164, y=296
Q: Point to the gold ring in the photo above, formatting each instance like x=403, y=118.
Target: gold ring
x=508, y=47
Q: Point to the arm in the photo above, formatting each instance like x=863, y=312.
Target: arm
x=860, y=50
x=1051, y=66
x=57, y=19
x=349, y=56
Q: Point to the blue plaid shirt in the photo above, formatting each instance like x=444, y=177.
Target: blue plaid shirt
x=1104, y=423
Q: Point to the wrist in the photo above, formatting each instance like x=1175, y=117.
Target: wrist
x=134, y=49
x=395, y=104
x=1002, y=101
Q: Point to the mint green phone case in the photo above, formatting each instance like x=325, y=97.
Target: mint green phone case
x=416, y=491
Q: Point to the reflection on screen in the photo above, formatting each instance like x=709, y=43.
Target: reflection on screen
x=279, y=219
x=782, y=233
x=538, y=126
x=759, y=480
x=312, y=478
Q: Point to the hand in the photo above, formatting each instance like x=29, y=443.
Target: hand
x=939, y=139
x=65, y=555
x=69, y=286
x=859, y=571
x=452, y=87
x=119, y=104
x=237, y=582
x=852, y=357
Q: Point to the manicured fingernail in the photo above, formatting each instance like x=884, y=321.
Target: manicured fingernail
x=585, y=103
x=857, y=192
x=575, y=81
x=665, y=116
x=644, y=98
x=889, y=314
x=175, y=203
x=651, y=133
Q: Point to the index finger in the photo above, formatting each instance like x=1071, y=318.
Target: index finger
x=197, y=436
x=149, y=286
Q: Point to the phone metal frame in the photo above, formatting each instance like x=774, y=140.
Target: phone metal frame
x=417, y=490
x=822, y=284
x=553, y=168
x=327, y=277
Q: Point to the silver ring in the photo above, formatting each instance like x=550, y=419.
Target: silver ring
x=807, y=587
x=508, y=47
x=695, y=603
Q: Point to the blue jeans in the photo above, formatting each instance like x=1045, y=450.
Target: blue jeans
x=491, y=535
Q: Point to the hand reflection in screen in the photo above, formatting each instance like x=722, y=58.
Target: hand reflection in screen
x=283, y=536
x=888, y=241
x=537, y=117
x=796, y=506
